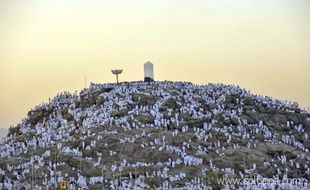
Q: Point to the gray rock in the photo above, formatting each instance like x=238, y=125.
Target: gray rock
x=100, y=101
x=293, y=117
x=271, y=148
x=261, y=109
x=250, y=155
x=14, y=130
x=145, y=119
x=231, y=99
x=230, y=105
x=280, y=118
x=253, y=115
x=170, y=103
x=120, y=113
x=198, y=123
x=144, y=100
x=275, y=126
x=248, y=101
x=209, y=106
x=247, y=118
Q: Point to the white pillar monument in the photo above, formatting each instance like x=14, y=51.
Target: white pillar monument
x=148, y=72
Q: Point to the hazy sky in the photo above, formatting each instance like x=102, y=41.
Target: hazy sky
x=48, y=46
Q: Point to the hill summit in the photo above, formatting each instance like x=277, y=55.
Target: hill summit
x=160, y=135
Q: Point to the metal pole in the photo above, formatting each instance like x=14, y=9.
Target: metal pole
x=116, y=72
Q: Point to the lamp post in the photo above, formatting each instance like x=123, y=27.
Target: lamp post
x=117, y=72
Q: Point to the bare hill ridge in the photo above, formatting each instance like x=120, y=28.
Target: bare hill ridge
x=156, y=135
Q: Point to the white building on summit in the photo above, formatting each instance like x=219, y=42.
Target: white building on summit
x=148, y=72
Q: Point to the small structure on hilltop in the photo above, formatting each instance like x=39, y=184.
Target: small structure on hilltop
x=117, y=72
x=148, y=72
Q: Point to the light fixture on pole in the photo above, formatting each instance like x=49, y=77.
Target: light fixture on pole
x=117, y=72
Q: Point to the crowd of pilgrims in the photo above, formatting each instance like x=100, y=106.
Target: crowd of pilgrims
x=54, y=132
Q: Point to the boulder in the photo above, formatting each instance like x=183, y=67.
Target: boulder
x=65, y=113
x=21, y=138
x=248, y=101
x=231, y=99
x=169, y=103
x=280, y=118
x=144, y=100
x=161, y=156
x=100, y=101
x=230, y=105
x=250, y=155
x=120, y=113
x=269, y=110
x=209, y=106
x=273, y=148
x=218, y=117
x=247, y=118
x=107, y=89
x=38, y=115
x=14, y=130
x=261, y=109
x=234, y=121
x=275, y=126
x=198, y=123
x=88, y=100
x=145, y=119
x=253, y=115
x=293, y=117
x=264, y=116
x=129, y=148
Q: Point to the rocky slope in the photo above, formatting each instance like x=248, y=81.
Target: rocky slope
x=156, y=135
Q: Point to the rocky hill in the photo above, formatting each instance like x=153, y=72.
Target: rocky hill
x=160, y=135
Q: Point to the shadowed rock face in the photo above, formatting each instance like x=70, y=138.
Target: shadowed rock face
x=154, y=132
x=144, y=100
x=145, y=119
x=169, y=103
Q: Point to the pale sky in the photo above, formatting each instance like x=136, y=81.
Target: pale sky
x=48, y=46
